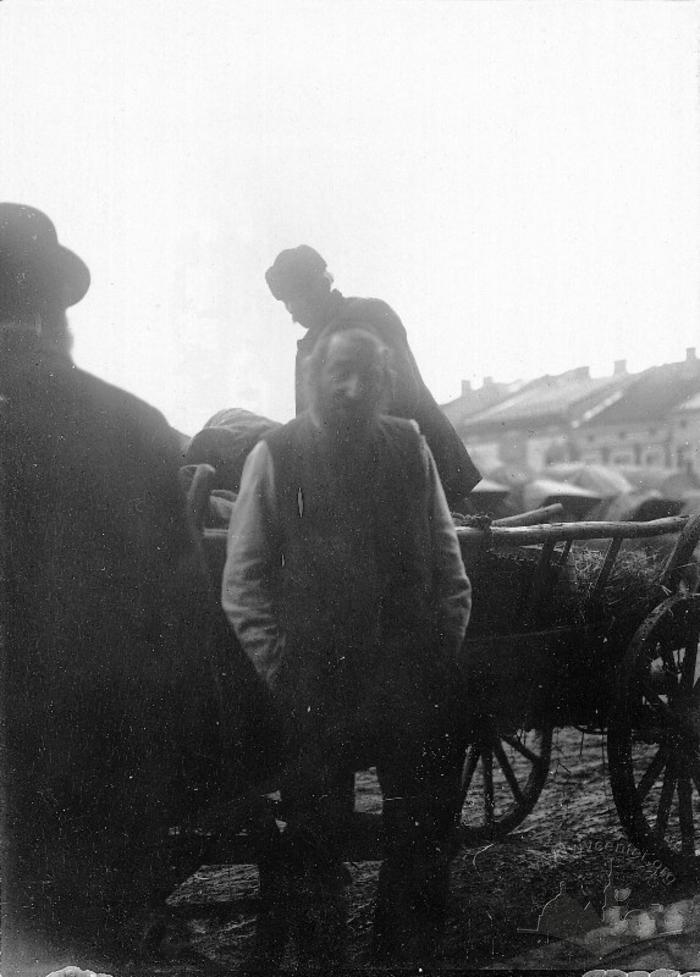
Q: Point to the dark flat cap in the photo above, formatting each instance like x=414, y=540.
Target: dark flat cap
x=33, y=265
x=292, y=269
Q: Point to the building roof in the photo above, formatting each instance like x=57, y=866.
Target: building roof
x=472, y=402
x=653, y=394
x=691, y=404
x=568, y=397
x=671, y=483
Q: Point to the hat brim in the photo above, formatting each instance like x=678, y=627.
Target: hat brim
x=72, y=276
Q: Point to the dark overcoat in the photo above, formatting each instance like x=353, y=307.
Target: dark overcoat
x=128, y=703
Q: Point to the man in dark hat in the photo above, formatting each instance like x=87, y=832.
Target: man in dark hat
x=116, y=657
x=39, y=278
x=299, y=278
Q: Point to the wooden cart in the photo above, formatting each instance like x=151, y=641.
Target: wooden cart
x=645, y=695
x=523, y=681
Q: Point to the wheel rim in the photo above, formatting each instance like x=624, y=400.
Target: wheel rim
x=654, y=736
x=503, y=774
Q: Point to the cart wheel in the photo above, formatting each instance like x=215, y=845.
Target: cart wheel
x=503, y=775
x=654, y=736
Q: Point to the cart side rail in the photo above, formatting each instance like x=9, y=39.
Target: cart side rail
x=560, y=532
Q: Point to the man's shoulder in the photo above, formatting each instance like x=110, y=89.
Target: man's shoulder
x=109, y=393
x=405, y=433
x=354, y=302
x=374, y=313
x=107, y=401
x=74, y=393
x=289, y=433
x=353, y=306
x=405, y=450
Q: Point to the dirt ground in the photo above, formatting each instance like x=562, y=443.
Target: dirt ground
x=498, y=891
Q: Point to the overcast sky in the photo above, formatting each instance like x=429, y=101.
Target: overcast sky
x=519, y=180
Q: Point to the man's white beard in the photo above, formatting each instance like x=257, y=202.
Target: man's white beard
x=347, y=434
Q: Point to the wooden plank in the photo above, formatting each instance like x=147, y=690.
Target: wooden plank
x=561, y=532
x=535, y=517
x=565, y=552
x=538, y=585
x=607, y=566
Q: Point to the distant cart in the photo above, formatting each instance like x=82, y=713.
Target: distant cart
x=527, y=679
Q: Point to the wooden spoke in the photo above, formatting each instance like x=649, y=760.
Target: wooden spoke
x=651, y=773
x=521, y=748
x=658, y=704
x=508, y=771
x=685, y=811
x=695, y=773
x=487, y=763
x=689, y=662
x=663, y=651
x=665, y=800
x=469, y=767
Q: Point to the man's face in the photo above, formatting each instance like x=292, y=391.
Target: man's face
x=303, y=310
x=308, y=305
x=350, y=386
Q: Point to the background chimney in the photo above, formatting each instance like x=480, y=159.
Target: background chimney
x=620, y=368
x=466, y=387
x=690, y=353
x=487, y=382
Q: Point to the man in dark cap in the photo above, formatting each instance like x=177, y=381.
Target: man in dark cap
x=117, y=658
x=299, y=278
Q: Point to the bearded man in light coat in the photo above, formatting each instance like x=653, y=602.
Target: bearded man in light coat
x=345, y=585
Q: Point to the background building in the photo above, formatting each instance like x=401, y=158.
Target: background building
x=650, y=418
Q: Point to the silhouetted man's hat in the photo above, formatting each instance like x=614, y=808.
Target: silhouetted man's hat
x=292, y=269
x=34, y=267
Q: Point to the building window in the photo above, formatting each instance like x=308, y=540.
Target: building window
x=591, y=438
x=682, y=423
x=622, y=435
